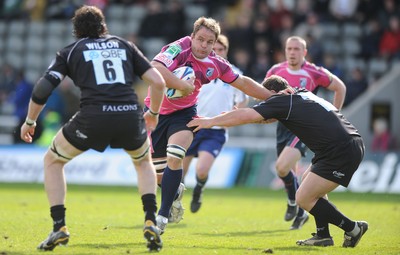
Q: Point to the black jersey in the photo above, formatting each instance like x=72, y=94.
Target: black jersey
x=103, y=68
x=315, y=121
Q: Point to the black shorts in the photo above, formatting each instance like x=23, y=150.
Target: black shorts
x=339, y=163
x=285, y=138
x=122, y=126
x=169, y=125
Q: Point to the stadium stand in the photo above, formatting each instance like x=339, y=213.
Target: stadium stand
x=30, y=45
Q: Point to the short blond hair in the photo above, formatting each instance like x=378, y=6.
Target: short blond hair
x=223, y=40
x=208, y=23
x=299, y=39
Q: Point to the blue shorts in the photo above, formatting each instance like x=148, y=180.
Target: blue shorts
x=210, y=140
x=167, y=126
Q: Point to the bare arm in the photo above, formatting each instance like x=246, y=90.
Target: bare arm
x=339, y=88
x=251, y=87
x=172, y=81
x=232, y=118
x=28, y=128
x=157, y=86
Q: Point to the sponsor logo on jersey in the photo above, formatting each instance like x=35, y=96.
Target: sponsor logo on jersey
x=164, y=59
x=81, y=135
x=119, y=108
x=209, y=72
x=338, y=174
x=172, y=51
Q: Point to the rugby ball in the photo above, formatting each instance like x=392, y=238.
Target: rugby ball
x=183, y=73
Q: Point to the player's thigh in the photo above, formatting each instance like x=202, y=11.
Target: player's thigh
x=182, y=138
x=142, y=154
x=288, y=158
x=61, y=150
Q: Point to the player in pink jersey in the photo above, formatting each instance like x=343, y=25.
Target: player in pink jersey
x=300, y=74
x=172, y=137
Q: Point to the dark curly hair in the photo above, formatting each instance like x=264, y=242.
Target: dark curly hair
x=89, y=21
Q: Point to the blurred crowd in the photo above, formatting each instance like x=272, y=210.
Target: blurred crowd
x=256, y=29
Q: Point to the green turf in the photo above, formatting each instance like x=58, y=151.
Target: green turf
x=109, y=220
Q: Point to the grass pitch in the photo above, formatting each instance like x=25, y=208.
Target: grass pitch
x=109, y=220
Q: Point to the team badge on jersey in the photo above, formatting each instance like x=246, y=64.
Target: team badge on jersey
x=303, y=82
x=209, y=72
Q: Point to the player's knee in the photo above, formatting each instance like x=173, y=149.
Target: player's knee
x=281, y=168
x=139, y=155
x=55, y=153
x=176, y=151
x=202, y=175
x=160, y=165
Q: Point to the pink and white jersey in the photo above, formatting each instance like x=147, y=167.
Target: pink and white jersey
x=309, y=76
x=179, y=53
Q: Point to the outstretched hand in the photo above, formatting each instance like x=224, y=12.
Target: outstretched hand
x=200, y=123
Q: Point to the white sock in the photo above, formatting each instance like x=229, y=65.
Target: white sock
x=355, y=230
x=292, y=202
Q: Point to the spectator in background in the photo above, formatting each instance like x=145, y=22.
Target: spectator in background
x=12, y=9
x=20, y=98
x=343, y=10
x=175, y=21
x=7, y=84
x=241, y=59
x=330, y=63
x=390, y=8
x=389, y=46
x=241, y=35
x=356, y=85
x=383, y=140
x=315, y=50
x=310, y=27
x=301, y=11
x=370, y=39
x=153, y=22
x=61, y=10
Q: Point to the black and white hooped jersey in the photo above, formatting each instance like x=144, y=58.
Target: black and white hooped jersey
x=103, y=68
x=315, y=121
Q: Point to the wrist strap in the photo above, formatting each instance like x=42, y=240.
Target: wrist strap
x=30, y=122
x=153, y=113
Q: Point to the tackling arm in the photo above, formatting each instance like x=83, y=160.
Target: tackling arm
x=251, y=87
x=228, y=119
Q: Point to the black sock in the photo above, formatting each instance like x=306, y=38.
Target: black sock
x=322, y=227
x=327, y=212
x=57, y=213
x=291, y=185
x=149, y=207
x=170, y=184
x=201, y=182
